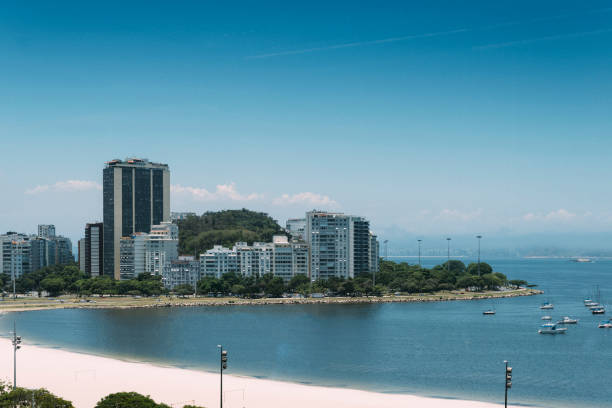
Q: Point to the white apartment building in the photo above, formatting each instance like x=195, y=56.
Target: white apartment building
x=184, y=270
x=290, y=259
x=218, y=261
x=339, y=245
x=279, y=257
x=148, y=252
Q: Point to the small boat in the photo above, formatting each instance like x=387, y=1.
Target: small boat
x=546, y=317
x=591, y=304
x=489, y=312
x=550, y=328
x=547, y=306
x=567, y=320
x=605, y=325
x=598, y=310
x=587, y=301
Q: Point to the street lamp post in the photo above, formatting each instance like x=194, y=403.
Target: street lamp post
x=419, y=241
x=223, y=366
x=508, y=375
x=448, y=240
x=16, y=346
x=479, y=237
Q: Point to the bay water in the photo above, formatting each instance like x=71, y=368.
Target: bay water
x=441, y=349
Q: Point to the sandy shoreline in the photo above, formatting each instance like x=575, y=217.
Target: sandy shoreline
x=84, y=379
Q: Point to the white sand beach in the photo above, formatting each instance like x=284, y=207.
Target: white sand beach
x=84, y=379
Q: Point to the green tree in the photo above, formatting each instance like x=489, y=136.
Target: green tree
x=183, y=290
x=54, y=286
x=297, y=281
x=517, y=283
x=275, y=287
x=484, y=268
x=128, y=400
x=22, y=397
x=466, y=281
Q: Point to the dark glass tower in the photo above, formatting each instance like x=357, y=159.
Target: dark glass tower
x=136, y=195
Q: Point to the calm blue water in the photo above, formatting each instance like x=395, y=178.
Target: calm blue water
x=438, y=349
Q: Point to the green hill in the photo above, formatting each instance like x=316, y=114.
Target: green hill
x=197, y=234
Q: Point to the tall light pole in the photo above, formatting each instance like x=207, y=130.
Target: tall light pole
x=16, y=346
x=386, y=250
x=508, y=382
x=13, y=279
x=479, y=237
x=223, y=366
x=419, y=241
x=448, y=240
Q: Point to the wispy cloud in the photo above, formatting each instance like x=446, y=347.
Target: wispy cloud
x=359, y=44
x=65, y=186
x=557, y=215
x=305, y=198
x=542, y=39
x=456, y=215
x=222, y=192
x=453, y=32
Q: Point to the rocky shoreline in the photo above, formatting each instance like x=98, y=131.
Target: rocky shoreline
x=140, y=303
x=305, y=301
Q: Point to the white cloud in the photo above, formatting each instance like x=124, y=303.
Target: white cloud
x=448, y=214
x=222, y=192
x=65, y=186
x=557, y=215
x=305, y=198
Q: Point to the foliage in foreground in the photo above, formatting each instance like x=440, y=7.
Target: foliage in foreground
x=41, y=398
x=131, y=400
x=23, y=397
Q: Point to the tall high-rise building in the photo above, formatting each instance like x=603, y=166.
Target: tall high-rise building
x=296, y=228
x=374, y=253
x=94, y=249
x=136, y=195
x=46, y=230
x=81, y=256
x=339, y=245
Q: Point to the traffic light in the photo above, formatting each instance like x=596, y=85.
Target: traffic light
x=224, y=359
x=17, y=342
x=508, y=377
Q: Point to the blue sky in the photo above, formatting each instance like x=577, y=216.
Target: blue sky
x=431, y=120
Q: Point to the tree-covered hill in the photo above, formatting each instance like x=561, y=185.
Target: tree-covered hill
x=197, y=234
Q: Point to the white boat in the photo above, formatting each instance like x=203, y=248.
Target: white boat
x=489, y=312
x=547, y=306
x=591, y=304
x=598, y=310
x=567, y=320
x=551, y=328
x=546, y=317
x=587, y=301
x=605, y=325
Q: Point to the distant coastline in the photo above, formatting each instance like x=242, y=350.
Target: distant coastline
x=118, y=302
